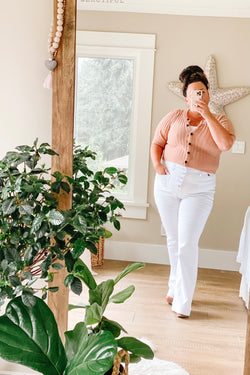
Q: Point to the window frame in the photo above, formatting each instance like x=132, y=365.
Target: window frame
x=140, y=48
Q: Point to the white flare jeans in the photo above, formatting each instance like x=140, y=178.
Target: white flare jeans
x=184, y=199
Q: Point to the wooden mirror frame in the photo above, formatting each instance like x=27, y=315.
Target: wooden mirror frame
x=62, y=142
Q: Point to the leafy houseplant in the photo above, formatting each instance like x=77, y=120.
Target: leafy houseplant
x=34, y=234
x=26, y=337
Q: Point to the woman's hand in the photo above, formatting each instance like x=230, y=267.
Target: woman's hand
x=202, y=108
x=161, y=169
x=156, y=154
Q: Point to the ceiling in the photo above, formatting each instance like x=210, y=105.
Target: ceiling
x=215, y=8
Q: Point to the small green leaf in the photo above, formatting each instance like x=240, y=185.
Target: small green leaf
x=78, y=248
x=123, y=295
x=112, y=326
x=57, y=266
x=55, y=187
x=76, y=286
x=108, y=234
x=28, y=299
x=56, y=217
x=117, y=225
x=111, y=170
x=101, y=293
x=9, y=206
x=131, y=267
x=14, y=280
x=65, y=186
x=37, y=222
x=93, y=314
x=53, y=289
x=81, y=271
x=136, y=347
x=26, y=210
x=68, y=280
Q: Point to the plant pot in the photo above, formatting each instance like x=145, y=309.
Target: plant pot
x=111, y=370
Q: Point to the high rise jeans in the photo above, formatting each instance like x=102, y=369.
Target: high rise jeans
x=184, y=199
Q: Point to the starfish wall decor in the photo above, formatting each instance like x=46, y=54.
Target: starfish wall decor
x=219, y=97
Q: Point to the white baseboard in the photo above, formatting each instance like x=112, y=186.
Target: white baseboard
x=152, y=253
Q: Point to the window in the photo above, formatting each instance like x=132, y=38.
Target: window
x=114, y=81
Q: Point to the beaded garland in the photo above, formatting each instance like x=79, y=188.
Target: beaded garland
x=54, y=42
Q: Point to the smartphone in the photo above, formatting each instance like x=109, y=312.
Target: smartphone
x=196, y=95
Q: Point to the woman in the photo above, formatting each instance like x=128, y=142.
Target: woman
x=185, y=153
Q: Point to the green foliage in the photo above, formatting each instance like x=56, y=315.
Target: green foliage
x=29, y=336
x=99, y=297
x=34, y=232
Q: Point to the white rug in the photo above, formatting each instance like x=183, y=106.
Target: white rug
x=156, y=367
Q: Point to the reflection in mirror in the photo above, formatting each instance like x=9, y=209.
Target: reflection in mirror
x=212, y=341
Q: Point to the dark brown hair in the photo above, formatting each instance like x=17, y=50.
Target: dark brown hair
x=192, y=73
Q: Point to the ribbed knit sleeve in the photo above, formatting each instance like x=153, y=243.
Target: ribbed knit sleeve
x=226, y=123
x=162, y=130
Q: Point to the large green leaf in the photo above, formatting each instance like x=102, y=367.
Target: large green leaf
x=94, y=356
x=131, y=267
x=123, y=295
x=29, y=336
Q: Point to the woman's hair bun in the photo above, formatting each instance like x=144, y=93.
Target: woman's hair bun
x=187, y=72
x=192, y=73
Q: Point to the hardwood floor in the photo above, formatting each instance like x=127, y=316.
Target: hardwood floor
x=210, y=342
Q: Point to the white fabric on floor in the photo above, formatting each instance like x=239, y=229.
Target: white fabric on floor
x=243, y=258
x=156, y=367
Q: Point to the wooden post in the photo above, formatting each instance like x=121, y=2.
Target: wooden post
x=62, y=137
x=247, y=346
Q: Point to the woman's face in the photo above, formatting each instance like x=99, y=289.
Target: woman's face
x=197, y=86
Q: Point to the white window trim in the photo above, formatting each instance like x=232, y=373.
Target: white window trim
x=141, y=48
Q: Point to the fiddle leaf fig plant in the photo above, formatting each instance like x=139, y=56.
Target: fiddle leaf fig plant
x=30, y=339
x=35, y=233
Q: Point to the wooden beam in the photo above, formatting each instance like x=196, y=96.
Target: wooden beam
x=62, y=137
x=247, y=346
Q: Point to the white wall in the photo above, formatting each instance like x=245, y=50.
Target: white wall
x=25, y=106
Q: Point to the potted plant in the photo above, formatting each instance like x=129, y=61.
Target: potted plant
x=34, y=234
x=29, y=334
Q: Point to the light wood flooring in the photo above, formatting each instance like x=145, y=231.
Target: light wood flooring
x=210, y=342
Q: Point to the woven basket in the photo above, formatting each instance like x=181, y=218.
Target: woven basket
x=97, y=260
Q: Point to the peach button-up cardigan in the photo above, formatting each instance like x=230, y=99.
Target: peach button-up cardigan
x=190, y=148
